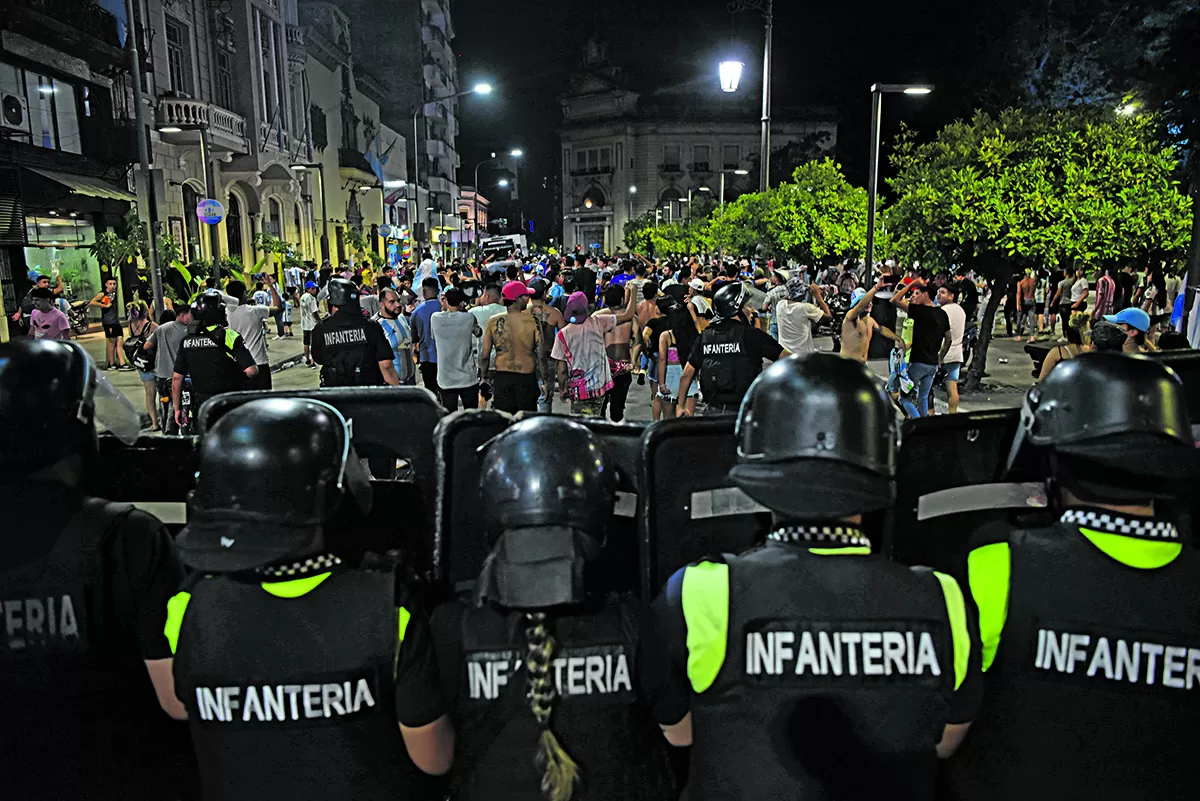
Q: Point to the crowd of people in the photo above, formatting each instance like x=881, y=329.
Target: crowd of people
x=1057, y=656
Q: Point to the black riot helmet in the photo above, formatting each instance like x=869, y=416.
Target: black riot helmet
x=1115, y=425
x=730, y=300
x=817, y=439
x=548, y=487
x=343, y=294
x=209, y=308
x=51, y=399
x=272, y=471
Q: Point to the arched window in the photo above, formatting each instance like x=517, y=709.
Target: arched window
x=275, y=218
x=594, y=199
x=669, y=194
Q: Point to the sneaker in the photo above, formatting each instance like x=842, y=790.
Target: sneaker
x=126, y=368
x=110, y=366
x=276, y=338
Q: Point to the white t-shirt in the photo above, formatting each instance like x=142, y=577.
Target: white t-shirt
x=958, y=326
x=1077, y=290
x=586, y=344
x=248, y=321
x=452, y=336
x=308, y=311
x=795, y=325
x=426, y=269
x=482, y=315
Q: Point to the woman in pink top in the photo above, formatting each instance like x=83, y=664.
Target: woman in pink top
x=583, y=372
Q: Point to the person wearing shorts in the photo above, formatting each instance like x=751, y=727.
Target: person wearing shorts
x=110, y=320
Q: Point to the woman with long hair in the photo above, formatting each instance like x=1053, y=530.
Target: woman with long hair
x=674, y=347
x=556, y=683
x=1071, y=348
x=140, y=329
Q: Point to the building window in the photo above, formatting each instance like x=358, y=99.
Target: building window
x=700, y=158
x=593, y=161
x=671, y=158
x=49, y=116
x=178, y=56
x=730, y=157
x=594, y=199
x=275, y=219
x=225, y=79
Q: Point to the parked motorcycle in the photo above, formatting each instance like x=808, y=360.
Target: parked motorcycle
x=77, y=316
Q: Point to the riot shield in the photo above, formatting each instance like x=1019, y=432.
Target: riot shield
x=950, y=482
x=463, y=524
x=155, y=474
x=393, y=432
x=690, y=508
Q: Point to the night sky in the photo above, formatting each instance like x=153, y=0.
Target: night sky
x=825, y=54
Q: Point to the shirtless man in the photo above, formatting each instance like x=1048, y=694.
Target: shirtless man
x=550, y=321
x=617, y=344
x=647, y=309
x=859, y=325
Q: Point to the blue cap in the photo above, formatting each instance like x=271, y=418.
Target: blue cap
x=856, y=296
x=1132, y=317
x=311, y=285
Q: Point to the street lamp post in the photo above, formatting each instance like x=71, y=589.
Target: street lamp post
x=320, y=168
x=516, y=152
x=477, y=89
x=877, y=92
x=723, y=172
x=210, y=187
x=632, y=192
x=731, y=75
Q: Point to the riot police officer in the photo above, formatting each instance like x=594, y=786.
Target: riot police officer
x=304, y=678
x=83, y=587
x=352, y=351
x=728, y=355
x=1091, y=624
x=214, y=355
x=817, y=669
x=557, y=685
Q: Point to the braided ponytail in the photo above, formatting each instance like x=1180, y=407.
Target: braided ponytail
x=560, y=773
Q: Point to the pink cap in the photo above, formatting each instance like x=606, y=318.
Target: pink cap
x=515, y=289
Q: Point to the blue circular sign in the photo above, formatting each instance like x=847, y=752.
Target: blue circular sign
x=210, y=211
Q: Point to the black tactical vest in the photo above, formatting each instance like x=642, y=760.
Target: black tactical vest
x=80, y=716
x=598, y=717
x=836, y=682
x=1095, y=689
x=727, y=370
x=292, y=698
x=345, y=355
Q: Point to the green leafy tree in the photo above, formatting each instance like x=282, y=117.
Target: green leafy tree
x=1055, y=187
x=639, y=233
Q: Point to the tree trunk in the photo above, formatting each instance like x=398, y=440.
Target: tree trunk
x=999, y=273
x=1193, y=262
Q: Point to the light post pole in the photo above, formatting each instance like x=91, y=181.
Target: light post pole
x=210, y=187
x=731, y=73
x=877, y=92
x=144, y=160
x=320, y=168
x=516, y=152
x=477, y=89
x=721, y=201
x=632, y=192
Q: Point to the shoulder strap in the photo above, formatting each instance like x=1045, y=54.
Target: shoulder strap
x=566, y=349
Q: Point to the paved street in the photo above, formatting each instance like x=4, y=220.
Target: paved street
x=1004, y=386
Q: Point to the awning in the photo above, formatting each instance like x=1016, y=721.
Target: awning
x=83, y=185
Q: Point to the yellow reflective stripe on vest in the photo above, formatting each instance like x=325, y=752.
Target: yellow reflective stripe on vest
x=295, y=587
x=853, y=550
x=1134, y=552
x=705, y=600
x=402, y=624
x=176, y=606
x=957, y=610
x=231, y=338
x=988, y=570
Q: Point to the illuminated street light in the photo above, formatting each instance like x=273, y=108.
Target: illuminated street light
x=482, y=89
x=731, y=75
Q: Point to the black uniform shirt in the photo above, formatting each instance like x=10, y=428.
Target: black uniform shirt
x=349, y=329
x=216, y=358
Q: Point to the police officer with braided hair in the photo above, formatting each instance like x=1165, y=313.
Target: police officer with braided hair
x=819, y=670
x=557, y=684
x=352, y=350
x=303, y=677
x=728, y=355
x=1090, y=624
x=83, y=587
x=214, y=355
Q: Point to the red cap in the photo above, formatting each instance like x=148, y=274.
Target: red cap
x=515, y=289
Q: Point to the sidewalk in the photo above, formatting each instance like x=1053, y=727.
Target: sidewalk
x=283, y=353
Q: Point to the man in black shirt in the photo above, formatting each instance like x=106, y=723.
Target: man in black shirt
x=214, y=356
x=728, y=355
x=931, y=328
x=84, y=585
x=352, y=351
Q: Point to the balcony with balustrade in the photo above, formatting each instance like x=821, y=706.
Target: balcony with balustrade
x=179, y=119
